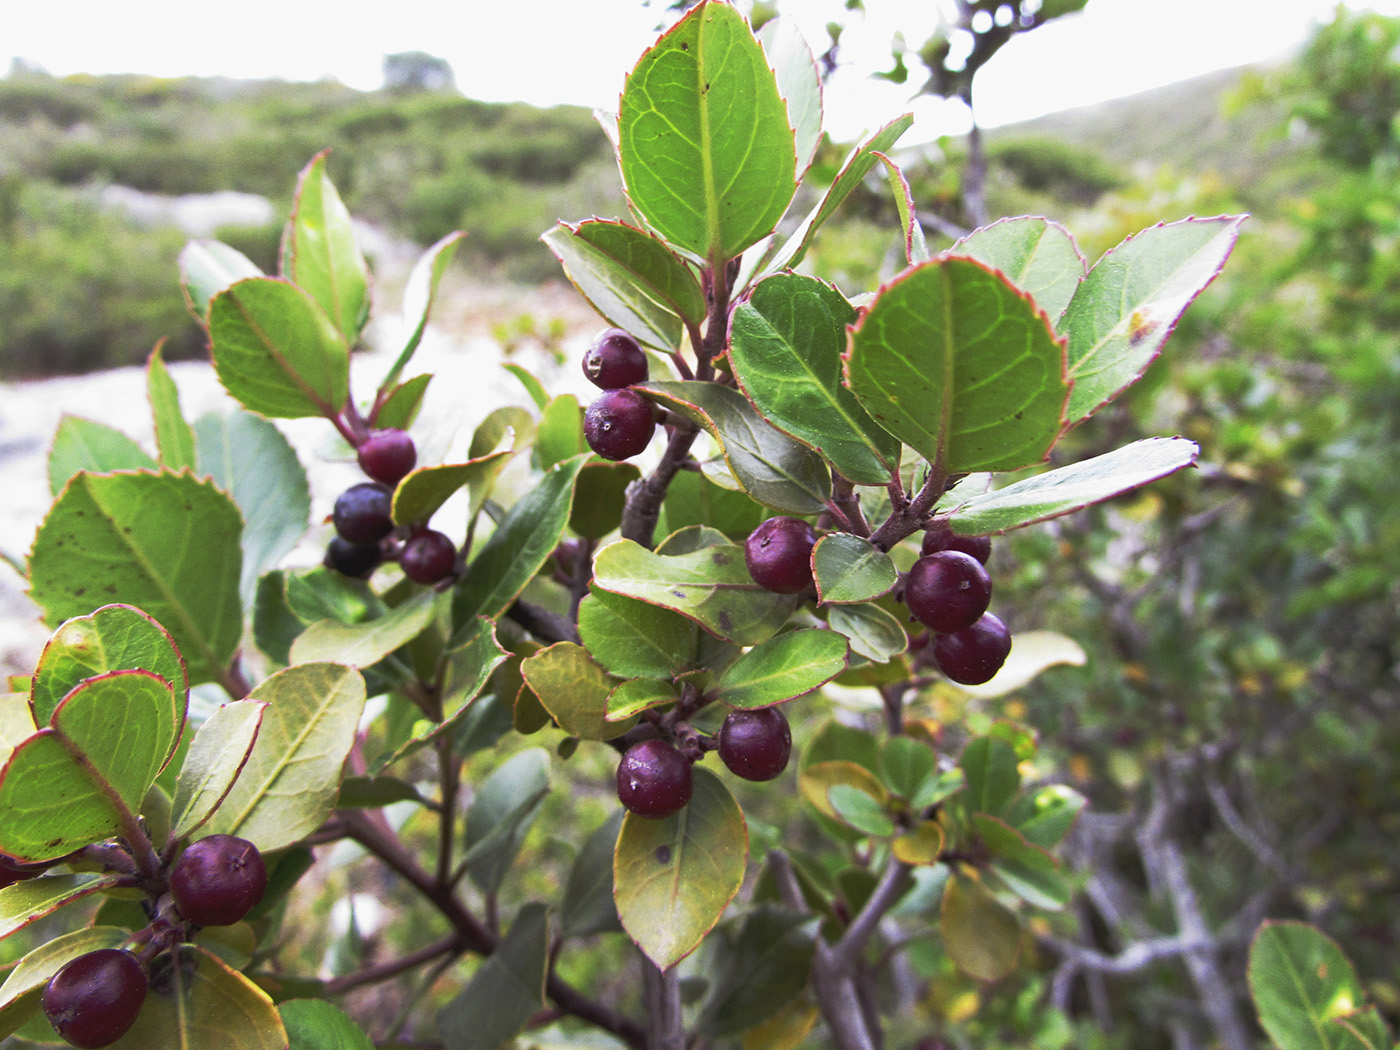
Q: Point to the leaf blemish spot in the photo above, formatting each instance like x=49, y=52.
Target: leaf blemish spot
x=663, y=855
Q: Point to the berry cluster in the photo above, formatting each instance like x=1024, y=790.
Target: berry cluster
x=948, y=590
x=364, y=522
x=619, y=424
x=94, y=999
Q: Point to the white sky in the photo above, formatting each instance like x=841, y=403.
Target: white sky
x=551, y=51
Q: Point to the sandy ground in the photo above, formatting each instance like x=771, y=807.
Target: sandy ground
x=459, y=349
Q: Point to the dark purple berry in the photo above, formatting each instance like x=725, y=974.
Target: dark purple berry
x=654, y=779
x=947, y=591
x=218, y=880
x=755, y=744
x=13, y=871
x=974, y=654
x=619, y=424
x=362, y=513
x=352, y=559
x=615, y=360
x=428, y=557
x=943, y=538
x=779, y=555
x=387, y=455
x=94, y=999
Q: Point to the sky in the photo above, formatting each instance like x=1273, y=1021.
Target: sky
x=577, y=51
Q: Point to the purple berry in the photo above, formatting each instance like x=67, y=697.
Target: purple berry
x=779, y=555
x=218, y=880
x=429, y=557
x=974, y=654
x=352, y=559
x=362, y=513
x=387, y=455
x=95, y=998
x=618, y=424
x=947, y=591
x=755, y=744
x=654, y=779
x=943, y=538
x=615, y=360
x=13, y=871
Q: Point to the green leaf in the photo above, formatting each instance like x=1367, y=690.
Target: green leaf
x=1124, y=310
x=637, y=695
x=633, y=639
x=574, y=689
x=798, y=82
x=1024, y=868
x=80, y=444
x=197, y=1000
x=706, y=152
x=1044, y=817
x=314, y=1024
x=675, y=876
x=1031, y=653
x=710, y=586
x=756, y=971
x=787, y=338
x=505, y=805
x=601, y=496
x=1038, y=256
x=905, y=765
x=992, y=776
x=693, y=499
x=915, y=247
x=961, y=366
x=276, y=351
x=249, y=459
x=819, y=779
x=520, y=546
x=509, y=420
x=781, y=668
x=400, y=408
x=321, y=593
x=631, y=278
x=290, y=781
x=1068, y=489
x=1301, y=983
x=23, y=987
x=852, y=175
x=364, y=644
x=538, y=394
x=16, y=723
x=418, y=296
x=773, y=468
x=114, y=638
x=419, y=495
x=174, y=437
x=587, y=905
x=320, y=254
x=216, y=756
x=506, y=991
x=857, y=809
x=872, y=632
x=560, y=432
x=1365, y=1030
x=207, y=267
x=849, y=569
x=23, y=902
x=374, y=792
x=981, y=934
x=130, y=538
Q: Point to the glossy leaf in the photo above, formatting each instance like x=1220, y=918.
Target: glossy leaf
x=631, y=278
x=314, y=1024
x=773, y=468
x=1036, y=255
x=706, y=152
x=1032, y=652
x=1302, y=983
x=365, y=644
x=860, y=810
x=1068, y=489
x=174, y=438
x=24, y=902
x=799, y=83
x=419, y=495
x=587, y=905
x=20, y=994
x=1024, y=868
x=113, y=638
x=207, y=267
x=249, y=459
x=710, y=586
x=504, y=806
x=574, y=689
x=320, y=254
x=852, y=175
x=400, y=407
x=1123, y=312
x=321, y=593
x=636, y=695
x=633, y=639
x=961, y=366
x=872, y=632
x=374, y=792
x=215, y=758
x=128, y=538
x=674, y=877
x=849, y=569
x=992, y=777
x=290, y=782
x=787, y=339
x=506, y=991
x=520, y=546
x=601, y=496
x=276, y=351
x=757, y=969
x=982, y=936
x=81, y=444
x=693, y=499
x=418, y=296
x=783, y=667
